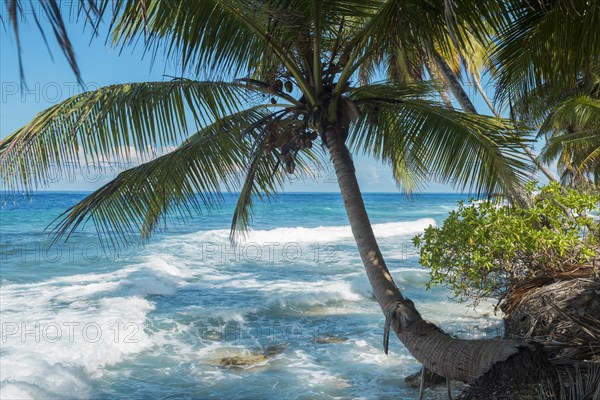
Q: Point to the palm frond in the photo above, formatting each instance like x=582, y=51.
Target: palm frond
x=217, y=35
x=572, y=131
x=179, y=184
x=578, y=112
x=561, y=38
x=263, y=180
x=111, y=123
x=423, y=24
x=421, y=139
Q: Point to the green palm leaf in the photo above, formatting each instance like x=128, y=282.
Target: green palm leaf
x=113, y=123
x=421, y=139
x=581, y=111
x=179, y=184
x=561, y=40
x=572, y=130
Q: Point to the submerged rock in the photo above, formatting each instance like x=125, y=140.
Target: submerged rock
x=330, y=339
x=245, y=359
x=275, y=349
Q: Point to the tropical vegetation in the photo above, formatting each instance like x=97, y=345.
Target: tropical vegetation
x=488, y=249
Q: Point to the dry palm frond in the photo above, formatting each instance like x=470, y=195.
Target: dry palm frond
x=579, y=381
x=564, y=316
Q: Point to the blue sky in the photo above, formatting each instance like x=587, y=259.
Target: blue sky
x=49, y=80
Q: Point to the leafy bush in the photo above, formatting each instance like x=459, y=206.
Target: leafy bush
x=484, y=249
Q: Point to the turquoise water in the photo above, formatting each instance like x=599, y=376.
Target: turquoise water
x=79, y=321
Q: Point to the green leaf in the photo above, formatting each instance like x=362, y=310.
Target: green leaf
x=422, y=140
x=114, y=123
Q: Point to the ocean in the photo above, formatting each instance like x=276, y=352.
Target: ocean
x=173, y=319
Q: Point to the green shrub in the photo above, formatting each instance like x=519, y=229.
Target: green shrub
x=484, y=249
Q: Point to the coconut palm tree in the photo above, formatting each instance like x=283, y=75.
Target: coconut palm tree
x=570, y=123
x=554, y=84
x=270, y=88
x=469, y=59
x=577, y=155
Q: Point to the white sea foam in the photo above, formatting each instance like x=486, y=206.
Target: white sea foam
x=59, y=334
x=314, y=293
x=319, y=234
x=309, y=370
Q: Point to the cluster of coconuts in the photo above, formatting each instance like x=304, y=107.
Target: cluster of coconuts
x=288, y=141
x=278, y=85
x=288, y=162
x=288, y=138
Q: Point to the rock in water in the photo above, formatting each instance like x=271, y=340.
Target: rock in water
x=329, y=339
x=243, y=360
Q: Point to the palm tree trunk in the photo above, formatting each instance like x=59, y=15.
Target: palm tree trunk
x=464, y=360
x=434, y=75
x=452, y=82
x=466, y=104
x=484, y=94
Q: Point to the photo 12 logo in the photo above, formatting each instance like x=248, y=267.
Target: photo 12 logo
x=52, y=253
x=270, y=252
x=42, y=92
x=53, y=332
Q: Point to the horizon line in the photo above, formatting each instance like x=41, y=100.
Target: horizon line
x=282, y=192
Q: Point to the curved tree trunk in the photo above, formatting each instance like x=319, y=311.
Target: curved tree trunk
x=452, y=81
x=465, y=103
x=464, y=360
x=434, y=75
